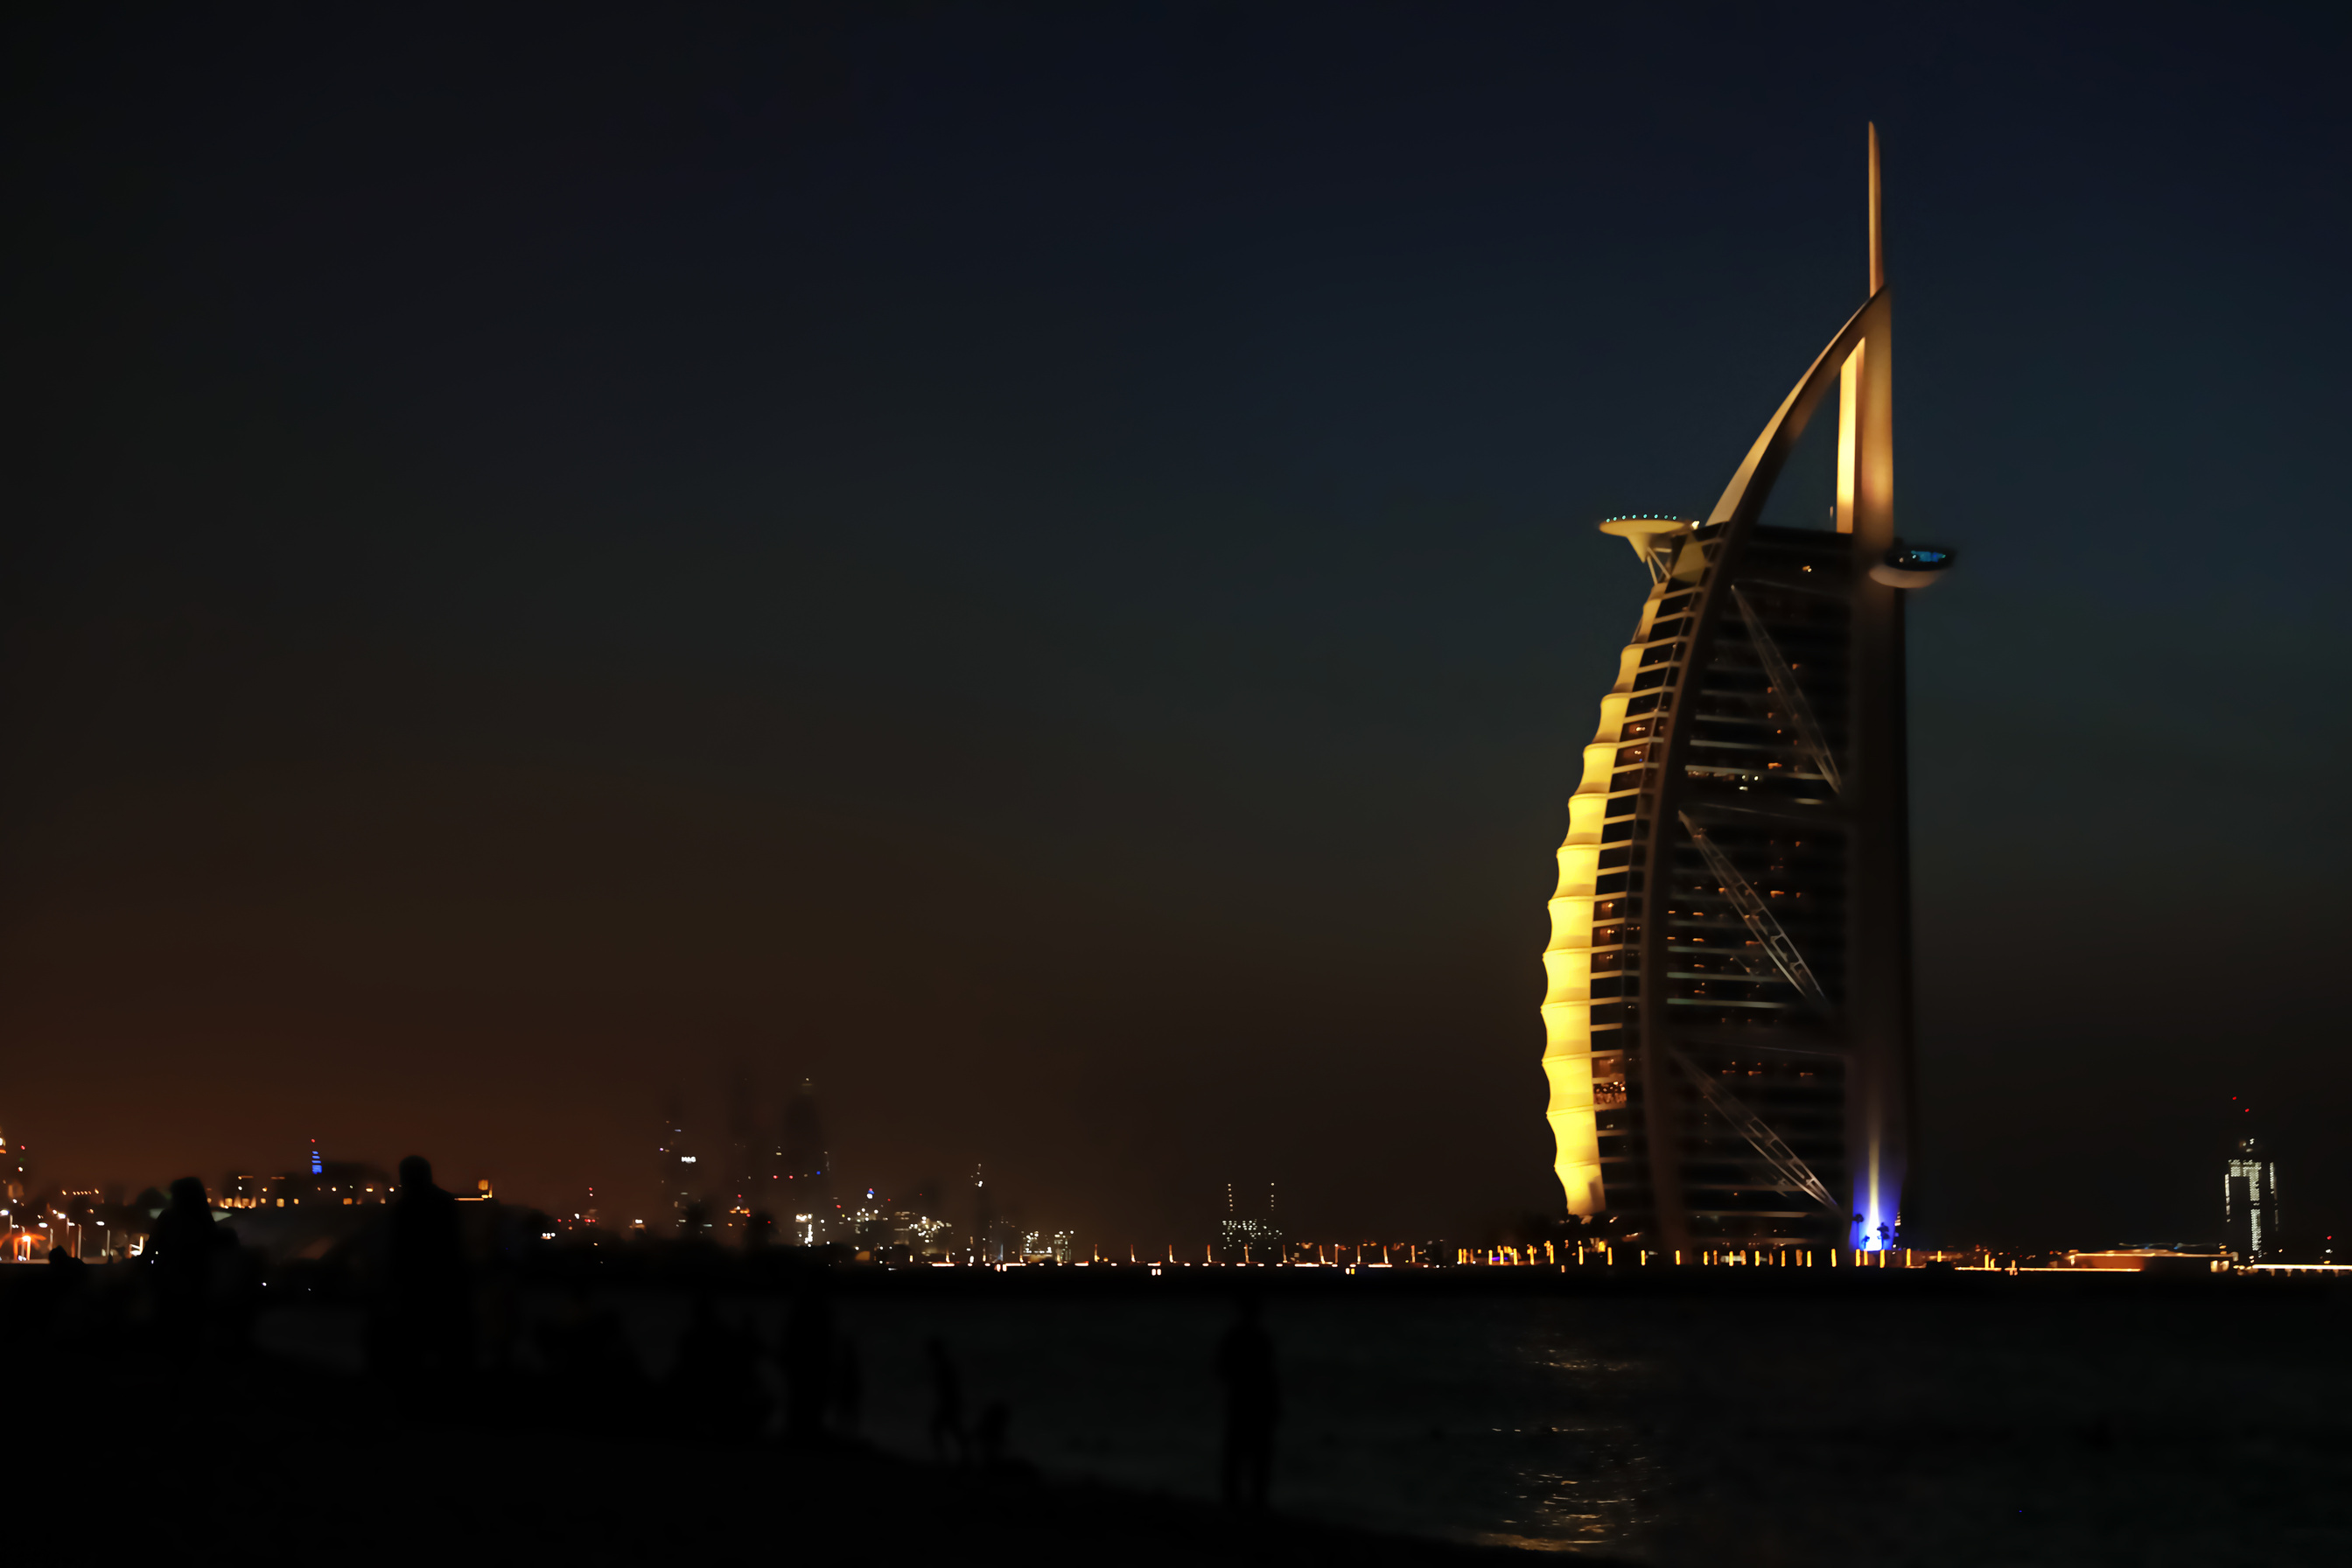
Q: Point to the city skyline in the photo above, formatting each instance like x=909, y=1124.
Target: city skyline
x=691, y=1198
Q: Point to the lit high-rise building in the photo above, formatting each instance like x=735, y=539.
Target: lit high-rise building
x=15, y=1183
x=1248, y=1238
x=2249, y=1202
x=1727, y=1014
x=800, y=1141
x=801, y=1183
x=742, y=1184
x=682, y=1175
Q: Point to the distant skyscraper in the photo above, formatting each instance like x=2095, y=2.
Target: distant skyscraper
x=985, y=1226
x=800, y=1143
x=801, y=1180
x=742, y=1148
x=16, y=1180
x=2249, y=1202
x=1727, y=1005
x=682, y=1175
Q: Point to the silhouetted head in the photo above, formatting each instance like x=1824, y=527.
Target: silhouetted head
x=188, y=1195
x=415, y=1173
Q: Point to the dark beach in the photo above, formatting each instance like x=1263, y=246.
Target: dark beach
x=1656, y=1416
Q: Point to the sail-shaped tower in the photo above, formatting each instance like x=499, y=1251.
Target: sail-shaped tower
x=1728, y=1011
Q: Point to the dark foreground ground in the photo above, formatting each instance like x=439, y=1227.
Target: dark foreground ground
x=152, y=1464
x=1699, y=1419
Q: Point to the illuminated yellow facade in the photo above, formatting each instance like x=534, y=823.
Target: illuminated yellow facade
x=1585, y=1064
x=1727, y=1004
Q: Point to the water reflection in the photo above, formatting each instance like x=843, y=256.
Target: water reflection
x=2009, y=1429
x=1674, y=1432
x=1506, y=1422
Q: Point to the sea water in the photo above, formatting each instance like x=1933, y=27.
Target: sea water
x=2018, y=1428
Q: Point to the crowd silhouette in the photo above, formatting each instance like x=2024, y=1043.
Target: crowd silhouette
x=447, y=1335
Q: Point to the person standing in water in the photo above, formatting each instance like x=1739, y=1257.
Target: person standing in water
x=1253, y=1405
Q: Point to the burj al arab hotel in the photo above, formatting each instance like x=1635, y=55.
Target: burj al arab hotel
x=1728, y=1011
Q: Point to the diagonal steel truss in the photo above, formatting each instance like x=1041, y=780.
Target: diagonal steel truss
x=1785, y=688
x=1794, y=1172
x=1758, y=914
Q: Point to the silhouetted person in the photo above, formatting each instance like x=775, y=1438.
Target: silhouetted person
x=848, y=1385
x=988, y=1434
x=1253, y=1405
x=808, y=1362
x=233, y=1294
x=430, y=1307
x=48, y=1305
x=946, y=1404
x=179, y=1252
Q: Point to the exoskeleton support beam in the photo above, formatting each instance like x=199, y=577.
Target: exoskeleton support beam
x=1756, y=914
x=1791, y=695
x=1794, y=1172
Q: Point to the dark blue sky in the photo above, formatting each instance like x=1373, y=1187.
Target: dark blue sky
x=1037, y=565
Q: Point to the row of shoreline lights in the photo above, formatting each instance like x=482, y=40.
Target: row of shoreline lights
x=1753, y=1257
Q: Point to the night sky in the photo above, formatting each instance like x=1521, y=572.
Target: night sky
x=1035, y=564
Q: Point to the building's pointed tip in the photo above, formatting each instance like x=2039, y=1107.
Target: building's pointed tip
x=1877, y=238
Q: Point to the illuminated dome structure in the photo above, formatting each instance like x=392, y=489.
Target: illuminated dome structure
x=1727, y=1014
